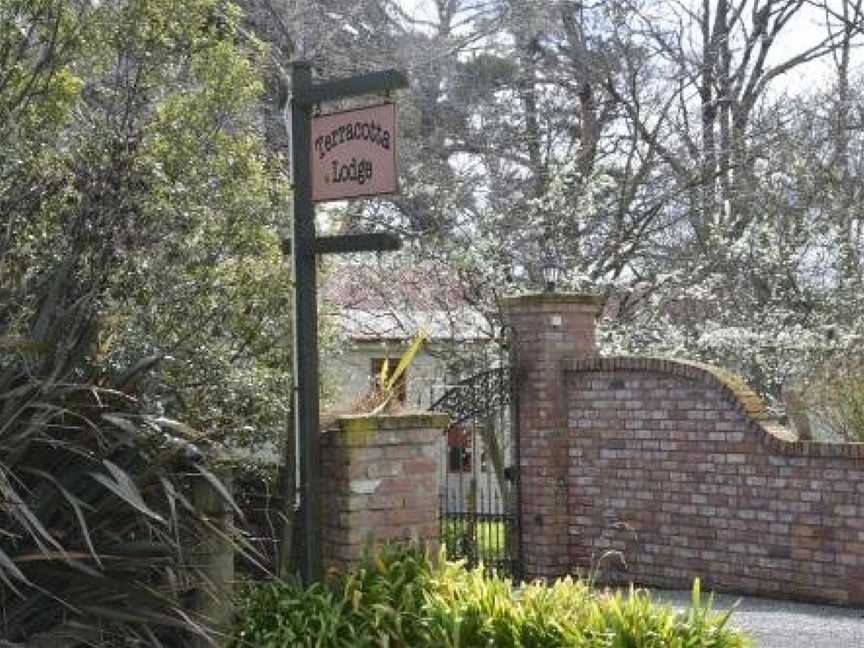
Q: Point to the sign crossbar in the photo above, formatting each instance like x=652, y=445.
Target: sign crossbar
x=347, y=244
x=364, y=84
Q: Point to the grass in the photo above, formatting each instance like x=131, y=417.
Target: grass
x=483, y=541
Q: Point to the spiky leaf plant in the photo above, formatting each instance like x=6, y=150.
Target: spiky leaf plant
x=96, y=529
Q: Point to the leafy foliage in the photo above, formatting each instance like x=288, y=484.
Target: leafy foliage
x=379, y=602
x=832, y=399
x=97, y=523
x=134, y=168
x=404, y=598
x=140, y=277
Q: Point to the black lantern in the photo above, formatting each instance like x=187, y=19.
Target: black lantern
x=551, y=272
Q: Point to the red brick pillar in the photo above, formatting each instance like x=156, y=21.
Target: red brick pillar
x=545, y=330
x=380, y=484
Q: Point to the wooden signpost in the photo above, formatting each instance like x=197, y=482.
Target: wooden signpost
x=357, y=150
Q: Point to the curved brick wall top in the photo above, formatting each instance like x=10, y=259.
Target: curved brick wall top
x=735, y=390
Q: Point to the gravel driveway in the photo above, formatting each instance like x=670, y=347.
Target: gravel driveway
x=781, y=624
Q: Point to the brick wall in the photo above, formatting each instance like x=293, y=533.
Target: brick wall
x=675, y=467
x=669, y=465
x=380, y=484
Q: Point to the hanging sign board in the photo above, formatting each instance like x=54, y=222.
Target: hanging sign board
x=354, y=153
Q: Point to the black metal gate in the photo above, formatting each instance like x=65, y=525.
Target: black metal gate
x=479, y=521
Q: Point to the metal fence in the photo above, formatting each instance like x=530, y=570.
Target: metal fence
x=478, y=490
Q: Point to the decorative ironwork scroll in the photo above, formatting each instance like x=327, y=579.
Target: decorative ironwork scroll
x=478, y=395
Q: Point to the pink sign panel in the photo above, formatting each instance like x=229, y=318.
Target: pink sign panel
x=354, y=153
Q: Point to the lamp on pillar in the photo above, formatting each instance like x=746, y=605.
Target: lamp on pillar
x=551, y=270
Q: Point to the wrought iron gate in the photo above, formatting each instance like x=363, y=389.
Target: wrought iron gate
x=479, y=521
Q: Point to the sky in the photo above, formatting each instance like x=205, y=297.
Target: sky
x=803, y=31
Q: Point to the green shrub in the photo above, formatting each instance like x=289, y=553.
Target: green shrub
x=283, y=613
x=377, y=604
x=553, y=615
x=829, y=404
x=95, y=521
x=470, y=608
x=635, y=620
x=404, y=598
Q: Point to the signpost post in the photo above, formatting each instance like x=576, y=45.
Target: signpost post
x=363, y=139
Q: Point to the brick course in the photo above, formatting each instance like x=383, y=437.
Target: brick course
x=660, y=471
x=380, y=484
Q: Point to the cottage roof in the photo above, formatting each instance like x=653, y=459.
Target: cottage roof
x=372, y=302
